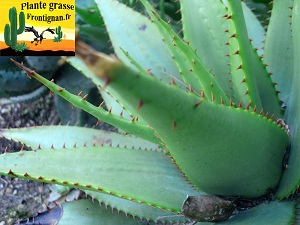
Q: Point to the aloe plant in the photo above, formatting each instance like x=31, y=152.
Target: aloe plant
x=208, y=129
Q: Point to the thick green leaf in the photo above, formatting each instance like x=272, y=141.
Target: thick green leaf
x=135, y=33
x=194, y=72
x=136, y=209
x=90, y=15
x=69, y=77
x=216, y=160
x=67, y=136
x=275, y=213
x=291, y=177
x=132, y=127
x=239, y=81
x=205, y=28
x=278, y=52
x=86, y=212
x=239, y=84
x=260, y=88
x=142, y=176
x=255, y=30
x=204, y=25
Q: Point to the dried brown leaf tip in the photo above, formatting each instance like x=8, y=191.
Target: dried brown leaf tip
x=106, y=82
x=29, y=72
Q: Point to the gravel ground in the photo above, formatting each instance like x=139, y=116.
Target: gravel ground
x=22, y=198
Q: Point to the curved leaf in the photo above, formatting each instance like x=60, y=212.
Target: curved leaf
x=216, y=161
x=241, y=84
x=67, y=136
x=260, y=87
x=193, y=71
x=291, y=177
x=135, y=33
x=254, y=28
x=278, y=53
x=138, y=175
x=86, y=212
x=136, y=209
x=205, y=28
x=132, y=127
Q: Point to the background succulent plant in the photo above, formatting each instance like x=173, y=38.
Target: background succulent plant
x=212, y=115
x=14, y=82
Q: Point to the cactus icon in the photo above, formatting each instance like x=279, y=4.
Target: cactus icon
x=11, y=31
x=59, y=34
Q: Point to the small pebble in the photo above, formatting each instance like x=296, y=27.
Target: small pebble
x=8, y=191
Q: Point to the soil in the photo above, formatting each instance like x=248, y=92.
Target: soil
x=22, y=198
